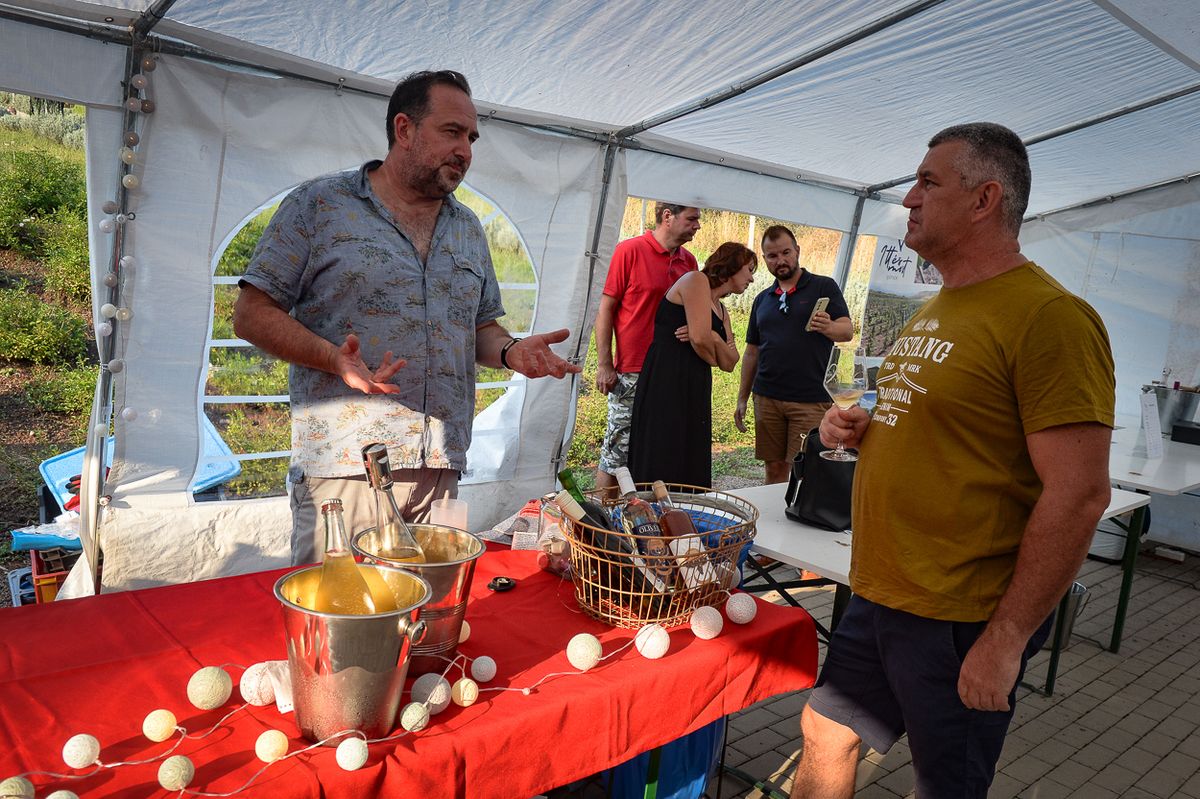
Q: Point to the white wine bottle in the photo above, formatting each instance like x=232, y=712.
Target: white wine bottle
x=342, y=588
x=641, y=524
x=396, y=541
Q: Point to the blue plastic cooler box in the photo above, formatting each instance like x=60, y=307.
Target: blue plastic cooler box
x=58, y=470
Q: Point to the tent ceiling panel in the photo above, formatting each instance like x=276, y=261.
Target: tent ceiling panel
x=866, y=112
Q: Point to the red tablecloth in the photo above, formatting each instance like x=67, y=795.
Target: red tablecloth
x=99, y=665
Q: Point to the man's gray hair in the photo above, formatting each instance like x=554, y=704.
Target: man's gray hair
x=993, y=152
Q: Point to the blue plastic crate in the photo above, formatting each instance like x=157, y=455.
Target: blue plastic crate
x=58, y=470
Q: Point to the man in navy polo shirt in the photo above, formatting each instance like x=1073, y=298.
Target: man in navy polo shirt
x=786, y=354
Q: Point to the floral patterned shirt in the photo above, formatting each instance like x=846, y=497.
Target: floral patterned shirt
x=334, y=256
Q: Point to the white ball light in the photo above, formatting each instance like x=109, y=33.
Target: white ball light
x=130, y=181
x=63, y=795
x=464, y=692
x=81, y=750
x=134, y=104
x=116, y=365
x=271, y=746
x=741, y=608
x=127, y=261
x=159, y=725
x=352, y=754
x=127, y=155
x=464, y=632
x=105, y=225
x=149, y=64
x=256, y=686
x=110, y=279
x=433, y=690
x=129, y=414
x=652, y=641
x=706, y=622
x=176, y=773
x=414, y=717
x=110, y=207
x=209, y=688
x=124, y=314
x=16, y=787
x=584, y=651
x=139, y=82
x=483, y=668
x=108, y=310
x=104, y=329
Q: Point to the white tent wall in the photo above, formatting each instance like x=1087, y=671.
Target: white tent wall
x=220, y=144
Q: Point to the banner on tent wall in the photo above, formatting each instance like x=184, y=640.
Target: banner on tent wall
x=901, y=282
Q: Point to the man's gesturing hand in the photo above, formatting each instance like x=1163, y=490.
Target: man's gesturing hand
x=348, y=365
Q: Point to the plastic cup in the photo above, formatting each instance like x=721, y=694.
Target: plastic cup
x=450, y=513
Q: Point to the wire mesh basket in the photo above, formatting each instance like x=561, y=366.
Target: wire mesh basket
x=630, y=580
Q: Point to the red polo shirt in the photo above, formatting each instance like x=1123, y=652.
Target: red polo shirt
x=639, y=275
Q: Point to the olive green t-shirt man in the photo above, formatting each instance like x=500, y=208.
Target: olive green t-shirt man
x=945, y=485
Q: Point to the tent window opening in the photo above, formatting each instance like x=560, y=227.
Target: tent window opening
x=245, y=395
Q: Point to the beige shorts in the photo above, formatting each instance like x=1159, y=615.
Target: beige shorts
x=780, y=426
x=414, y=490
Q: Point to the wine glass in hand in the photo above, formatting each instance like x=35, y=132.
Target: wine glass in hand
x=845, y=380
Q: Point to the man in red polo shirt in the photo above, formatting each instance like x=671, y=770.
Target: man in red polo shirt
x=641, y=271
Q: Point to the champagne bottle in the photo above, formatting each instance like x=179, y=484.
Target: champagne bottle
x=641, y=524
x=684, y=542
x=597, y=516
x=342, y=588
x=396, y=541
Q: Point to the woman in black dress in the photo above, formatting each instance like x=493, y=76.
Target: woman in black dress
x=670, y=436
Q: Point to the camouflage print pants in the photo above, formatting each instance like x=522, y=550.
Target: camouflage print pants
x=615, y=450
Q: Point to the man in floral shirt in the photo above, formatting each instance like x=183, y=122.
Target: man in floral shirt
x=377, y=287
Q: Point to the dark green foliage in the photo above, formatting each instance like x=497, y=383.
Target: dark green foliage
x=65, y=247
x=36, y=332
x=33, y=184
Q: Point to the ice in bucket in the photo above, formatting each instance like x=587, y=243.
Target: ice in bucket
x=450, y=556
x=348, y=670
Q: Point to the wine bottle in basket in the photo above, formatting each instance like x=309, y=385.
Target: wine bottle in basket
x=598, y=517
x=616, y=561
x=691, y=556
x=641, y=523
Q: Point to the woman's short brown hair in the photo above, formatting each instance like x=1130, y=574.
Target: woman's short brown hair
x=727, y=261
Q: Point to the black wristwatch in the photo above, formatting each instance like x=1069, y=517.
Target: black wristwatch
x=504, y=352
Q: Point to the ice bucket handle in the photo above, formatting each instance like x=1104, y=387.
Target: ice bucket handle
x=414, y=630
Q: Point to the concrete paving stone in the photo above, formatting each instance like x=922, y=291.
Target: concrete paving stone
x=1189, y=746
x=1027, y=769
x=876, y=791
x=1181, y=764
x=1118, y=739
x=1077, y=735
x=1095, y=756
x=1072, y=773
x=868, y=773
x=789, y=705
x=1176, y=726
x=1138, y=693
x=1155, y=709
x=1116, y=777
x=734, y=756
x=1136, y=792
x=1155, y=682
x=1037, y=730
x=1054, y=751
x=760, y=742
x=1159, y=784
x=1017, y=744
x=1119, y=705
x=1044, y=789
x=1140, y=760
x=1158, y=743
x=900, y=781
x=1172, y=696
x=1191, y=788
x=1059, y=717
x=1099, y=719
x=770, y=767
x=1093, y=790
x=754, y=719
x=1006, y=787
x=897, y=757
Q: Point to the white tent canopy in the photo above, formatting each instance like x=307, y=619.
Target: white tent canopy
x=816, y=112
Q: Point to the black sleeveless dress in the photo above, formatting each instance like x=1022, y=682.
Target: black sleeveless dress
x=670, y=436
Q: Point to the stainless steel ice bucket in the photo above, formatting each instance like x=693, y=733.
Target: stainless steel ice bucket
x=348, y=671
x=1174, y=406
x=450, y=556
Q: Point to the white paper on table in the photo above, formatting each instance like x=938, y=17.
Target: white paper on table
x=281, y=681
x=1151, y=426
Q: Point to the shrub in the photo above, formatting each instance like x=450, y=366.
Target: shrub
x=237, y=255
x=32, y=330
x=67, y=391
x=33, y=184
x=67, y=264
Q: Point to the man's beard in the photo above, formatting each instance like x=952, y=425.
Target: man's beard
x=784, y=271
x=434, y=182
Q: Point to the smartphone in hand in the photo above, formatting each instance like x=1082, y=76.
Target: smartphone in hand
x=821, y=304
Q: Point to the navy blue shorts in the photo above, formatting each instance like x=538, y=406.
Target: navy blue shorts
x=888, y=673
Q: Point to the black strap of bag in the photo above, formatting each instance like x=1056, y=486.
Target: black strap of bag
x=818, y=490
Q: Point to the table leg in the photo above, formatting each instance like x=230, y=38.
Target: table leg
x=1060, y=624
x=1133, y=537
x=652, y=772
x=841, y=598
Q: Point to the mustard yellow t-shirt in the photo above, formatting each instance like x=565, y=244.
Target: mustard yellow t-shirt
x=945, y=485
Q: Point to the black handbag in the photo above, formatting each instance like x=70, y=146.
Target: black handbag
x=818, y=490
